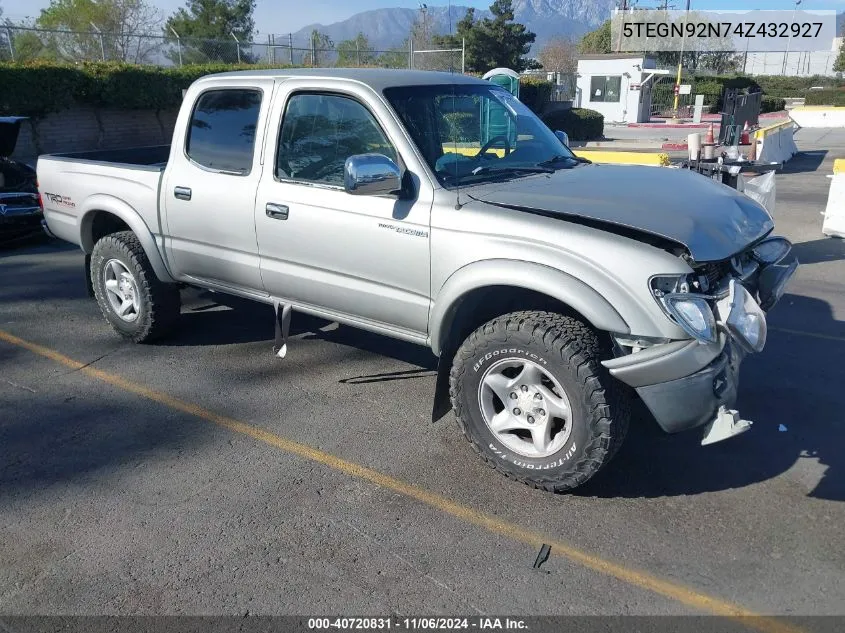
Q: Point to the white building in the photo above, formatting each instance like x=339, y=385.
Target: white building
x=617, y=85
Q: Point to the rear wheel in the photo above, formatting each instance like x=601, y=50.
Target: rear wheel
x=132, y=299
x=531, y=396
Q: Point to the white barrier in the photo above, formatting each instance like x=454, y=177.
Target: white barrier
x=818, y=116
x=834, y=214
x=776, y=143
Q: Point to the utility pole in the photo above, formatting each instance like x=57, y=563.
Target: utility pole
x=789, y=41
x=102, y=44
x=237, y=43
x=178, y=45
x=681, y=64
x=424, y=11
x=621, y=26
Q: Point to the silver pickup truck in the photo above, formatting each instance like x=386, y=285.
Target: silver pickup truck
x=436, y=208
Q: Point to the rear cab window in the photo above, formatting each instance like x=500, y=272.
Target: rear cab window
x=221, y=134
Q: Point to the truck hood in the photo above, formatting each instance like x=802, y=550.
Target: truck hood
x=10, y=126
x=712, y=221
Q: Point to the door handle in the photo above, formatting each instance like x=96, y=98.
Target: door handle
x=183, y=193
x=276, y=211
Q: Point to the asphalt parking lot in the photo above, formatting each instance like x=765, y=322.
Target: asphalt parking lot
x=202, y=475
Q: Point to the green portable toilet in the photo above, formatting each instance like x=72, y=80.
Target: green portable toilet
x=496, y=122
x=506, y=78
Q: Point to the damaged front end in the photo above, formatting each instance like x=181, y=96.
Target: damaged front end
x=722, y=306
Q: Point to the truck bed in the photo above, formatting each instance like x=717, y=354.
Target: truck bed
x=75, y=183
x=153, y=157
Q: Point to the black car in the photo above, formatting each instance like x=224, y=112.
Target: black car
x=20, y=206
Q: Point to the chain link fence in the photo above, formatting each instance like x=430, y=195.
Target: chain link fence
x=26, y=44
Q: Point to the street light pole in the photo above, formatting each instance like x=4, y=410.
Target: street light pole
x=681, y=64
x=789, y=40
x=621, y=26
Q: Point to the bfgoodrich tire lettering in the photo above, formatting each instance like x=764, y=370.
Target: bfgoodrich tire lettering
x=566, y=353
x=157, y=303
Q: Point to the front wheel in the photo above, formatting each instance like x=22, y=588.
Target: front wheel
x=531, y=396
x=133, y=300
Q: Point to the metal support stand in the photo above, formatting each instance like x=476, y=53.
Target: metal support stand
x=283, y=310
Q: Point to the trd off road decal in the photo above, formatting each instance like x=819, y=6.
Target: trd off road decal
x=60, y=200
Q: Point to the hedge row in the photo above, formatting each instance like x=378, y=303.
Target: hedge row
x=38, y=88
x=535, y=93
x=773, y=104
x=580, y=124
x=774, y=87
x=828, y=97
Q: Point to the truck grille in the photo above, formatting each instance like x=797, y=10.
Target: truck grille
x=711, y=274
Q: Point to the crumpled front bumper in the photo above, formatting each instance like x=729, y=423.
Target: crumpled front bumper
x=686, y=384
x=691, y=401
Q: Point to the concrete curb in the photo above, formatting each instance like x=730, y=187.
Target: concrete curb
x=625, y=158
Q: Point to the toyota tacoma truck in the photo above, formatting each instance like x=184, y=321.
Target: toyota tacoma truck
x=436, y=208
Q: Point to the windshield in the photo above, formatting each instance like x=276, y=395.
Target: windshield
x=472, y=133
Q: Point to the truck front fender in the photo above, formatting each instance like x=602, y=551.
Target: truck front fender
x=100, y=202
x=520, y=274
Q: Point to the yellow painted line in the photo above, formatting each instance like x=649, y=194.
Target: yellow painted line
x=471, y=151
x=839, y=166
x=625, y=158
x=763, y=132
x=642, y=579
x=597, y=156
x=825, y=337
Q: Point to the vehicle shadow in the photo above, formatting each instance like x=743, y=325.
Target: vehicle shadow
x=790, y=393
x=52, y=438
x=218, y=319
x=804, y=162
x=826, y=249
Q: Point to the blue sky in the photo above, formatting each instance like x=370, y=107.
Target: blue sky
x=283, y=16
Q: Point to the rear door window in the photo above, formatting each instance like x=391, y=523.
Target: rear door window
x=221, y=135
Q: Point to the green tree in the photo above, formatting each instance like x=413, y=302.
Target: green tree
x=4, y=41
x=205, y=28
x=319, y=47
x=596, y=42
x=98, y=29
x=492, y=43
x=839, y=64
x=394, y=58
x=466, y=32
x=355, y=52
x=500, y=42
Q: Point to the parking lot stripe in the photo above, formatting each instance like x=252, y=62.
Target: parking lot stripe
x=826, y=337
x=674, y=591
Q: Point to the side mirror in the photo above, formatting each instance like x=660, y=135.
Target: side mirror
x=563, y=137
x=371, y=175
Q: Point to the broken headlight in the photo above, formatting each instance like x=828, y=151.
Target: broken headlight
x=746, y=320
x=771, y=250
x=692, y=312
x=694, y=315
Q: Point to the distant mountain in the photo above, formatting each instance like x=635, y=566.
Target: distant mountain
x=384, y=28
x=555, y=18
x=387, y=28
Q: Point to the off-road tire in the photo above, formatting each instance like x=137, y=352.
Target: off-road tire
x=160, y=302
x=569, y=350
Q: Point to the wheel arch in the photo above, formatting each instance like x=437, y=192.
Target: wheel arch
x=484, y=290
x=103, y=215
